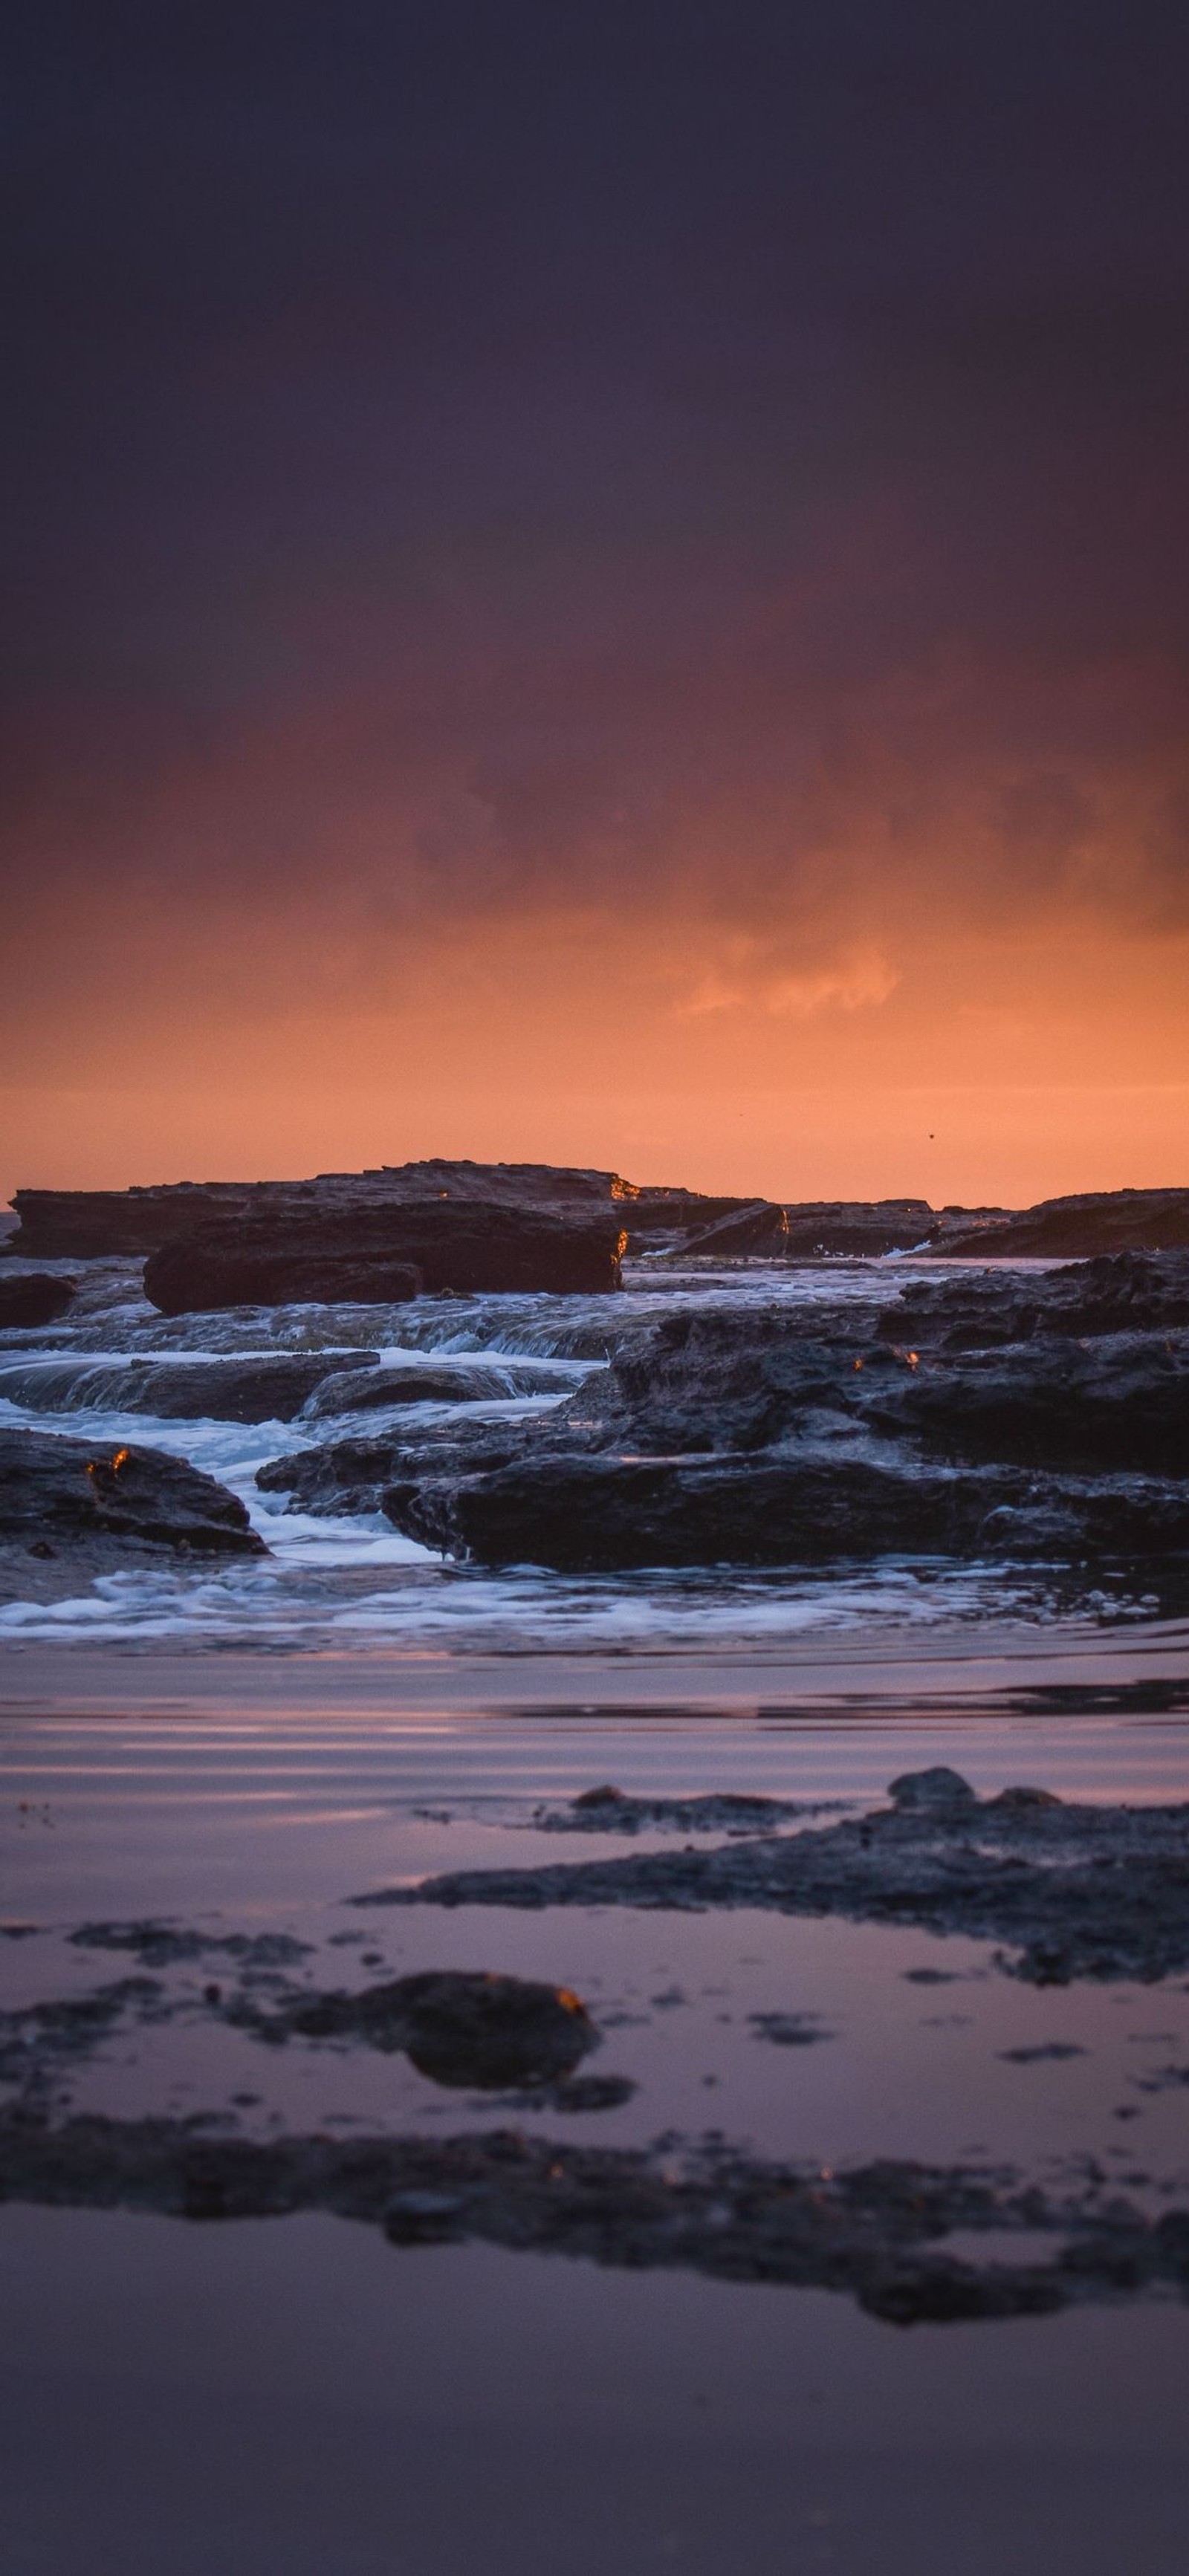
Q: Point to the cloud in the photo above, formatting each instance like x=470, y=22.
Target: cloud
x=748, y=978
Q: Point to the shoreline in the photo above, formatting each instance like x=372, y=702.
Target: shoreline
x=881, y=1672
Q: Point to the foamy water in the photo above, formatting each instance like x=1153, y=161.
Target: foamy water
x=335, y=1579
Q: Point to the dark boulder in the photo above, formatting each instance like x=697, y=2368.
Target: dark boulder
x=265, y=1389
x=32, y=1297
x=57, y=1492
x=584, y=1515
x=724, y=1379
x=602, y=1515
x=458, y=2027
x=1117, y=1404
x=276, y=1261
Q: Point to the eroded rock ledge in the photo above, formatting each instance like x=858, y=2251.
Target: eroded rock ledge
x=1071, y=1891
x=876, y=2232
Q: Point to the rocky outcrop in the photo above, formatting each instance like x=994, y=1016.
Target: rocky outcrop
x=1120, y=1292
x=752, y=1437
x=1073, y=1229
x=57, y=1495
x=88, y=1224
x=280, y=1261
x=32, y=1297
x=588, y=1515
x=881, y=2233
x=1118, y=1404
x=812, y=1230
x=385, y=1254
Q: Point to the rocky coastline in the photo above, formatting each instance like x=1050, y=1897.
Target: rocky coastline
x=1000, y=1412
x=322, y=1216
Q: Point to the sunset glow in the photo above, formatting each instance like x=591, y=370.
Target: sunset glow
x=696, y=684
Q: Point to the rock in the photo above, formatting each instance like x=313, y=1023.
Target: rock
x=279, y=1260
x=875, y=2232
x=933, y=1792
x=374, y=1389
x=587, y=1515
x=788, y=2030
x=607, y=1810
x=1119, y=1404
x=396, y=1252
x=32, y=1297
x=346, y=1476
x=72, y=1491
x=87, y=1225
x=1118, y=1293
x=223, y=1390
x=733, y=1436
x=73, y=1224
x=1071, y=1229
x=583, y=1515
x=458, y=2027
x=813, y=1229
x=1072, y=1891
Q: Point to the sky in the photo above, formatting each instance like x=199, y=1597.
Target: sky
x=597, y=584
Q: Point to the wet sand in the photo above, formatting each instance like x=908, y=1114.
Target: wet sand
x=858, y=2120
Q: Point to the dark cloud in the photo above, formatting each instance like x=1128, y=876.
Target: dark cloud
x=481, y=458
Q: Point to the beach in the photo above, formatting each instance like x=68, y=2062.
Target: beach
x=264, y=2390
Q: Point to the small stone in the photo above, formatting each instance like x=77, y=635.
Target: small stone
x=941, y=1788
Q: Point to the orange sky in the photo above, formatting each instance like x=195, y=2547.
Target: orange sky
x=951, y=1070
x=602, y=587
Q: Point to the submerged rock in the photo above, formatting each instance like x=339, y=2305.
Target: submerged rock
x=607, y=1810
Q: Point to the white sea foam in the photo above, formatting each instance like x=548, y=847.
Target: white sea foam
x=354, y=1579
